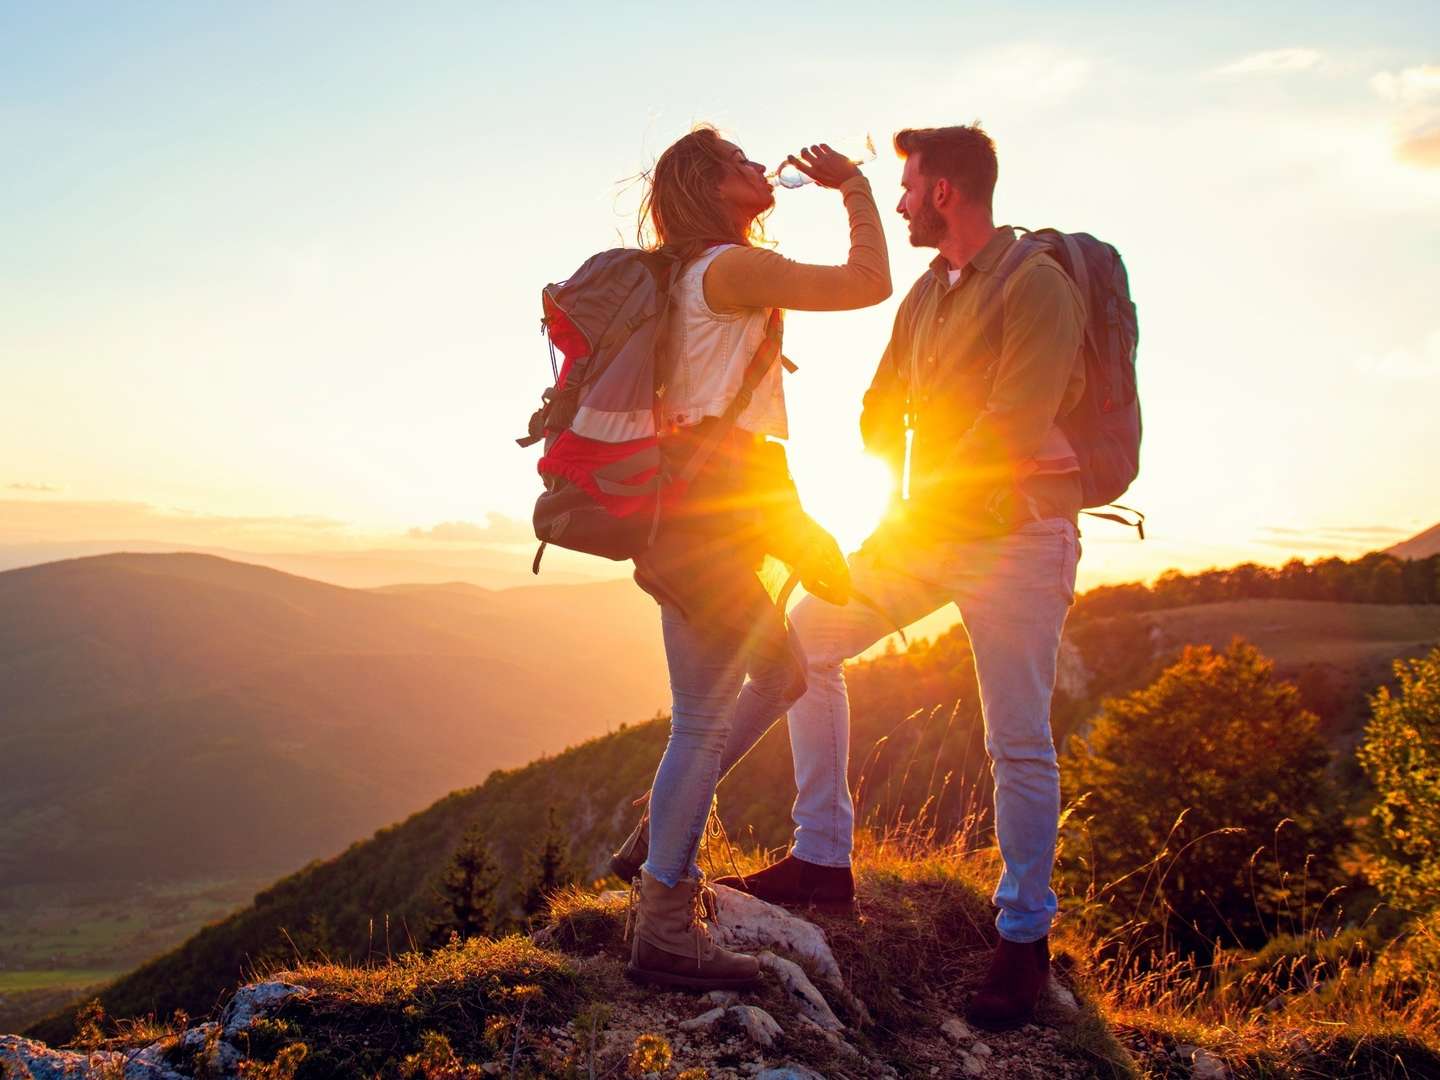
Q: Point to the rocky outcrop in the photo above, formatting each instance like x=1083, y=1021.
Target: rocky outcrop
x=214, y=1043
x=804, y=1023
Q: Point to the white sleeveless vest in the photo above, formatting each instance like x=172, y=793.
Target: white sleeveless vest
x=708, y=353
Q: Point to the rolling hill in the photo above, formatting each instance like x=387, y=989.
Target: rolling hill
x=181, y=715
x=915, y=721
x=1420, y=546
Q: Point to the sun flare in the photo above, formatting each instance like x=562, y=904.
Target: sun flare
x=848, y=497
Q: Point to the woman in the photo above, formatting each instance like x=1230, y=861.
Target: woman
x=704, y=204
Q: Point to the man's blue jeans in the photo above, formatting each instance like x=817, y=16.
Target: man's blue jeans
x=1014, y=592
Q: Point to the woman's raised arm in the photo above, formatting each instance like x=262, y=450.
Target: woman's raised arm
x=746, y=277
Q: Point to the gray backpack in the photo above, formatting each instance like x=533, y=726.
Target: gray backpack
x=605, y=479
x=1104, y=427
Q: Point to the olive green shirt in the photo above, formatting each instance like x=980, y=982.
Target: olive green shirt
x=981, y=380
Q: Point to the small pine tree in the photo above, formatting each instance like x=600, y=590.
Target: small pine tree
x=550, y=868
x=468, y=890
x=1401, y=755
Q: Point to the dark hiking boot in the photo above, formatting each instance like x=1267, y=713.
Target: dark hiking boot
x=793, y=882
x=1017, y=977
x=672, y=946
x=625, y=863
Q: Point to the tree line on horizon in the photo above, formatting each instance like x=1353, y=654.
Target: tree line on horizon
x=1375, y=578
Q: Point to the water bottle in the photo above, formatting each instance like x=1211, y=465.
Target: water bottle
x=859, y=150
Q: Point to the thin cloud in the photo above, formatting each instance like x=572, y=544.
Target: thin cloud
x=1418, y=126
x=1354, y=539
x=1406, y=364
x=1025, y=74
x=1378, y=532
x=498, y=529
x=30, y=520
x=1408, y=85
x=1274, y=61
x=41, y=489
x=1421, y=145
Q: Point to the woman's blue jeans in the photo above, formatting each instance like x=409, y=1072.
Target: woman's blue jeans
x=708, y=683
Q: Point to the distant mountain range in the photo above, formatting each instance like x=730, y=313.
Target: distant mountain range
x=487, y=567
x=1420, y=546
x=180, y=715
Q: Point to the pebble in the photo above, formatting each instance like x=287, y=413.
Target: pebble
x=758, y=1024
x=1206, y=1066
x=956, y=1030
x=703, y=1021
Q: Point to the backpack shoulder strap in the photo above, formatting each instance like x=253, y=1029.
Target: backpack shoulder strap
x=992, y=311
x=764, y=359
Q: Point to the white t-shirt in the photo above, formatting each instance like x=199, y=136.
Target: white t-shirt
x=709, y=352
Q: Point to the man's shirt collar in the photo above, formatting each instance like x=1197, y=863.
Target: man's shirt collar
x=983, y=260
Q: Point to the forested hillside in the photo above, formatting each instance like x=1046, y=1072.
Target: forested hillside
x=917, y=743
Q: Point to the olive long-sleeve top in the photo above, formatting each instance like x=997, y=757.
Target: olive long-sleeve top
x=987, y=452
x=750, y=277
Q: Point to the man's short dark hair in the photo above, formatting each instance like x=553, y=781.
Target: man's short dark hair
x=963, y=155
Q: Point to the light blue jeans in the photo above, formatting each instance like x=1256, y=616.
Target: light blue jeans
x=1014, y=592
x=708, y=666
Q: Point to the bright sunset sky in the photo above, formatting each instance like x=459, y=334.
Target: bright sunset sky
x=270, y=273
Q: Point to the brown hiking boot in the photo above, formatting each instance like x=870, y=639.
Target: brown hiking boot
x=793, y=882
x=1018, y=975
x=672, y=945
x=625, y=863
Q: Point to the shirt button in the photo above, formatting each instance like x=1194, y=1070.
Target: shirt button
x=931, y=360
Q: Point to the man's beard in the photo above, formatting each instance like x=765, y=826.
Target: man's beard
x=927, y=227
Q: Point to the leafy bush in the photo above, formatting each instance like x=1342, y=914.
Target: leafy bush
x=1401, y=755
x=1216, y=775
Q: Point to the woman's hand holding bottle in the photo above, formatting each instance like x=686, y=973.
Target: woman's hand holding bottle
x=822, y=165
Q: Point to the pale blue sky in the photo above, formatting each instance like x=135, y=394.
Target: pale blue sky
x=273, y=260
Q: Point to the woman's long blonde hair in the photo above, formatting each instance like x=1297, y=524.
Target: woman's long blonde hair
x=679, y=211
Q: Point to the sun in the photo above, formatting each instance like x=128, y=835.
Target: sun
x=847, y=493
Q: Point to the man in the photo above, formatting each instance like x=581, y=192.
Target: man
x=989, y=524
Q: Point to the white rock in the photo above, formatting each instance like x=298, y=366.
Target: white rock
x=21, y=1057
x=789, y=1072
x=1062, y=999
x=1206, y=1066
x=703, y=1022
x=722, y=997
x=759, y=1025
x=956, y=1030
x=808, y=1000
x=971, y=1064
x=747, y=922
x=256, y=1000
x=981, y=1049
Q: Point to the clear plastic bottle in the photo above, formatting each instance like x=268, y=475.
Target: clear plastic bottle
x=860, y=150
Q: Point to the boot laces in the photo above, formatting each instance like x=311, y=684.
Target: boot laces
x=632, y=903
x=702, y=910
x=715, y=831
